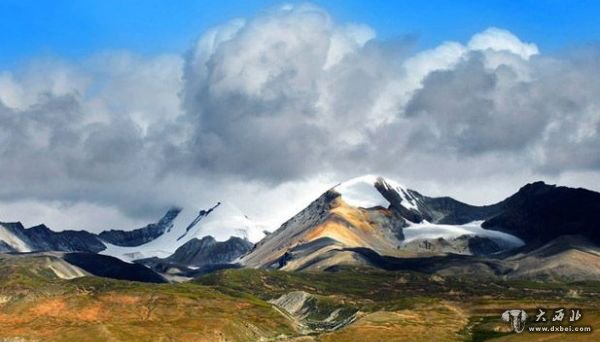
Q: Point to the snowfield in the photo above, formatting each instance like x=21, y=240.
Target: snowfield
x=13, y=241
x=223, y=222
x=429, y=231
x=361, y=192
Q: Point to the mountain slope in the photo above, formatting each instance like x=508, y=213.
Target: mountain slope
x=41, y=238
x=446, y=210
x=373, y=213
x=568, y=257
x=140, y=236
x=13, y=238
x=109, y=267
x=36, y=304
x=539, y=212
x=368, y=221
x=161, y=239
x=199, y=256
x=220, y=222
x=207, y=251
x=331, y=217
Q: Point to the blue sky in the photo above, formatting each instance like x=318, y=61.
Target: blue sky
x=75, y=29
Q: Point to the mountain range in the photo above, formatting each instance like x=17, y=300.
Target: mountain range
x=541, y=232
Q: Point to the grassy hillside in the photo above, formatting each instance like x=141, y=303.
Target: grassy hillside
x=36, y=305
x=234, y=305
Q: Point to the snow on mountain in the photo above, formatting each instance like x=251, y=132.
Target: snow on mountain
x=373, y=213
x=368, y=192
x=362, y=192
x=228, y=221
x=430, y=231
x=13, y=241
x=221, y=222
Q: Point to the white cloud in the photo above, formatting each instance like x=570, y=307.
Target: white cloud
x=496, y=39
x=68, y=216
x=270, y=111
x=345, y=40
x=11, y=93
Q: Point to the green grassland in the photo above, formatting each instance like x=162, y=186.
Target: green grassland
x=233, y=305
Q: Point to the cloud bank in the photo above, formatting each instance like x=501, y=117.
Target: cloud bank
x=270, y=111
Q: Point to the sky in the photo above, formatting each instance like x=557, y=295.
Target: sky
x=76, y=29
x=112, y=111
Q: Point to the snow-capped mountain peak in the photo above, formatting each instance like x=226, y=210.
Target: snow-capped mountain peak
x=221, y=221
x=370, y=191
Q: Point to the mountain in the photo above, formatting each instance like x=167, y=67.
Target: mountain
x=44, y=298
x=198, y=256
x=568, y=257
x=109, y=267
x=395, y=264
x=368, y=222
x=221, y=222
x=140, y=236
x=375, y=222
x=208, y=251
x=182, y=239
x=17, y=238
x=464, y=244
x=539, y=213
x=379, y=215
x=446, y=210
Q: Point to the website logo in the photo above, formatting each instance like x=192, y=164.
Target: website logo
x=516, y=318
